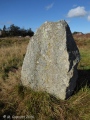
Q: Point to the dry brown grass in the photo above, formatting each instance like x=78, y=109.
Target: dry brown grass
x=83, y=41
x=15, y=99
x=11, y=58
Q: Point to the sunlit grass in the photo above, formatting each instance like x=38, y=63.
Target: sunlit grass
x=11, y=59
x=85, y=59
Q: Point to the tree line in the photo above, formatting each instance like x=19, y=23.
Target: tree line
x=14, y=30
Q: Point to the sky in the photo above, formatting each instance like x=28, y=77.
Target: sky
x=33, y=13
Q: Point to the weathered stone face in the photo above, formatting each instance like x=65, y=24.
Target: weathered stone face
x=50, y=63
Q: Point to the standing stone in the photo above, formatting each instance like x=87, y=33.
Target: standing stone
x=50, y=63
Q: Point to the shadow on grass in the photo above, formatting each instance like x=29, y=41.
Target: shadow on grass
x=83, y=79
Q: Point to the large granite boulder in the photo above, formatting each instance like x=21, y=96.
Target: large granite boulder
x=50, y=63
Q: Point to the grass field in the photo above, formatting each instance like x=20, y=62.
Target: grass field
x=17, y=100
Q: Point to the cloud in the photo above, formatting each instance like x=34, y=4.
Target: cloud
x=77, y=12
x=88, y=17
x=49, y=6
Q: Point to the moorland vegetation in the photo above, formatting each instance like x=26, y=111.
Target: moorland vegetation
x=18, y=100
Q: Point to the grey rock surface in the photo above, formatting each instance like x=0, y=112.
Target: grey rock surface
x=50, y=63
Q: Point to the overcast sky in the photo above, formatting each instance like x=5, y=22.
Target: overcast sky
x=33, y=13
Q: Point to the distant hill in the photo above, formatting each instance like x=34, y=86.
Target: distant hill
x=77, y=33
x=81, y=35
